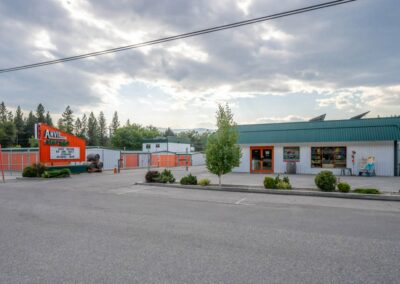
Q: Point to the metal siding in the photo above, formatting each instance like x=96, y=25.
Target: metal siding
x=378, y=129
x=108, y=157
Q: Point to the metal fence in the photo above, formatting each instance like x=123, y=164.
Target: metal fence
x=14, y=160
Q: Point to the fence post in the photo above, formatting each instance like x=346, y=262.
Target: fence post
x=10, y=162
x=1, y=164
x=187, y=166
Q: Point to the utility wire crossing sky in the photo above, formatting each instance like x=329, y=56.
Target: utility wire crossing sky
x=185, y=35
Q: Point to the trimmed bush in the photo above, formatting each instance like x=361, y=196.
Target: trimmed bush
x=152, y=176
x=189, y=179
x=283, y=185
x=270, y=182
x=166, y=176
x=204, y=182
x=36, y=170
x=277, y=182
x=29, y=172
x=367, y=191
x=343, y=187
x=325, y=181
x=62, y=173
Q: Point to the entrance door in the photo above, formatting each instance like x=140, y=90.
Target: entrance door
x=262, y=159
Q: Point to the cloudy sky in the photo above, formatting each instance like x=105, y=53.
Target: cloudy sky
x=341, y=61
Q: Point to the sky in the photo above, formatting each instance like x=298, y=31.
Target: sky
x=341, y=61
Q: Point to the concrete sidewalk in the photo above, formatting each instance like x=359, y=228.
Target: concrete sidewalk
x=385, y=184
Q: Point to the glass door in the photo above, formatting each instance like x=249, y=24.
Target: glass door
x=262, y=159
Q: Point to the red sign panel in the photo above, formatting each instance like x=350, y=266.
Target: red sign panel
x=56, y=146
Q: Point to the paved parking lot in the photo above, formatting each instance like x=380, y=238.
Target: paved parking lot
x=101, y=228
x=386, y=184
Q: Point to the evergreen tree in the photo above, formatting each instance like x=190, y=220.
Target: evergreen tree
x=3, y=112
x=10, y=116
x=40, y=114
x=48, y=120
x=93, y=130
x=29, y=130
x=169, y=132
x=7, y=133
x=19, y=124
x=102, y=129
x=68, y=120
x=114, y=123
x=222, y=151
x=84, y=128
x=60, y=124
x=78, y=127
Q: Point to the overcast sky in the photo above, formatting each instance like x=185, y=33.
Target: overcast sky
x=342, y=60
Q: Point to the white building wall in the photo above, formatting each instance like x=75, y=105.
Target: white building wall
x=383, y=151
x=108, y=157
x=164, y=147
x=198, y=159
x=244, y=161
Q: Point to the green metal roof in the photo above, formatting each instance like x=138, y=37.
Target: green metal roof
x=370, y=129
x=170, y=139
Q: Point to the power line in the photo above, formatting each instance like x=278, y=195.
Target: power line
x=182, y=36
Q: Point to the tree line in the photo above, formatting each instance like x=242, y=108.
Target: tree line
x=17, y=130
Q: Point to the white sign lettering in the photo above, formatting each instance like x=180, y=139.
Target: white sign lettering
x=64, y=153
x=53, y=135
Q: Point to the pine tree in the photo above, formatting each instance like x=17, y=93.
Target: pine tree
x=29, y=128
x=84, y=128
x=40, y=114
x=60, y=124
x=78, y=127
x=10, y=116
x=93, y=130
x=222, y=151
x=114, y=123
x=3, y=112
x=68, y=120
x=48, y=120
x=102, y=129
x=169, y=132
x=19, y=124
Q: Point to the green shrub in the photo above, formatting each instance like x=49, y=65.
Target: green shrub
x=189, y=179
x=61, y=173
x=325, y=181
x=283, y=185
x=40, y=168
x=367, y=190
x=277, y=182
x=36, y=170
x=152, y=176
x=166, y=176
x=343, y=187
x=270, y=182
x=204, y=182
x=29, y=172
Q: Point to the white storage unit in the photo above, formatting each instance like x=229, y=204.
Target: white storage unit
x=170, y=144
x=198, y=159
x=109, y=157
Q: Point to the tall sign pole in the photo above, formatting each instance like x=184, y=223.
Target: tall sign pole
x=1, y=164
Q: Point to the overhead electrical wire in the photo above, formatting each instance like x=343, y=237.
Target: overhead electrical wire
x=181, y=36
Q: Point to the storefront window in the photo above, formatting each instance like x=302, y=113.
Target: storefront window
x=291, y=154
x=328, y=157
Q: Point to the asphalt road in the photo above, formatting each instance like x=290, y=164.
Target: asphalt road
x=103, y=229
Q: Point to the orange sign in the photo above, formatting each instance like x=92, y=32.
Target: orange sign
x=56, y=146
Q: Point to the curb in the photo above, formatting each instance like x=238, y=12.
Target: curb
x=302, y=192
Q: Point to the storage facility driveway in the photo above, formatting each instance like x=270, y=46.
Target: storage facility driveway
x=101, y=228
